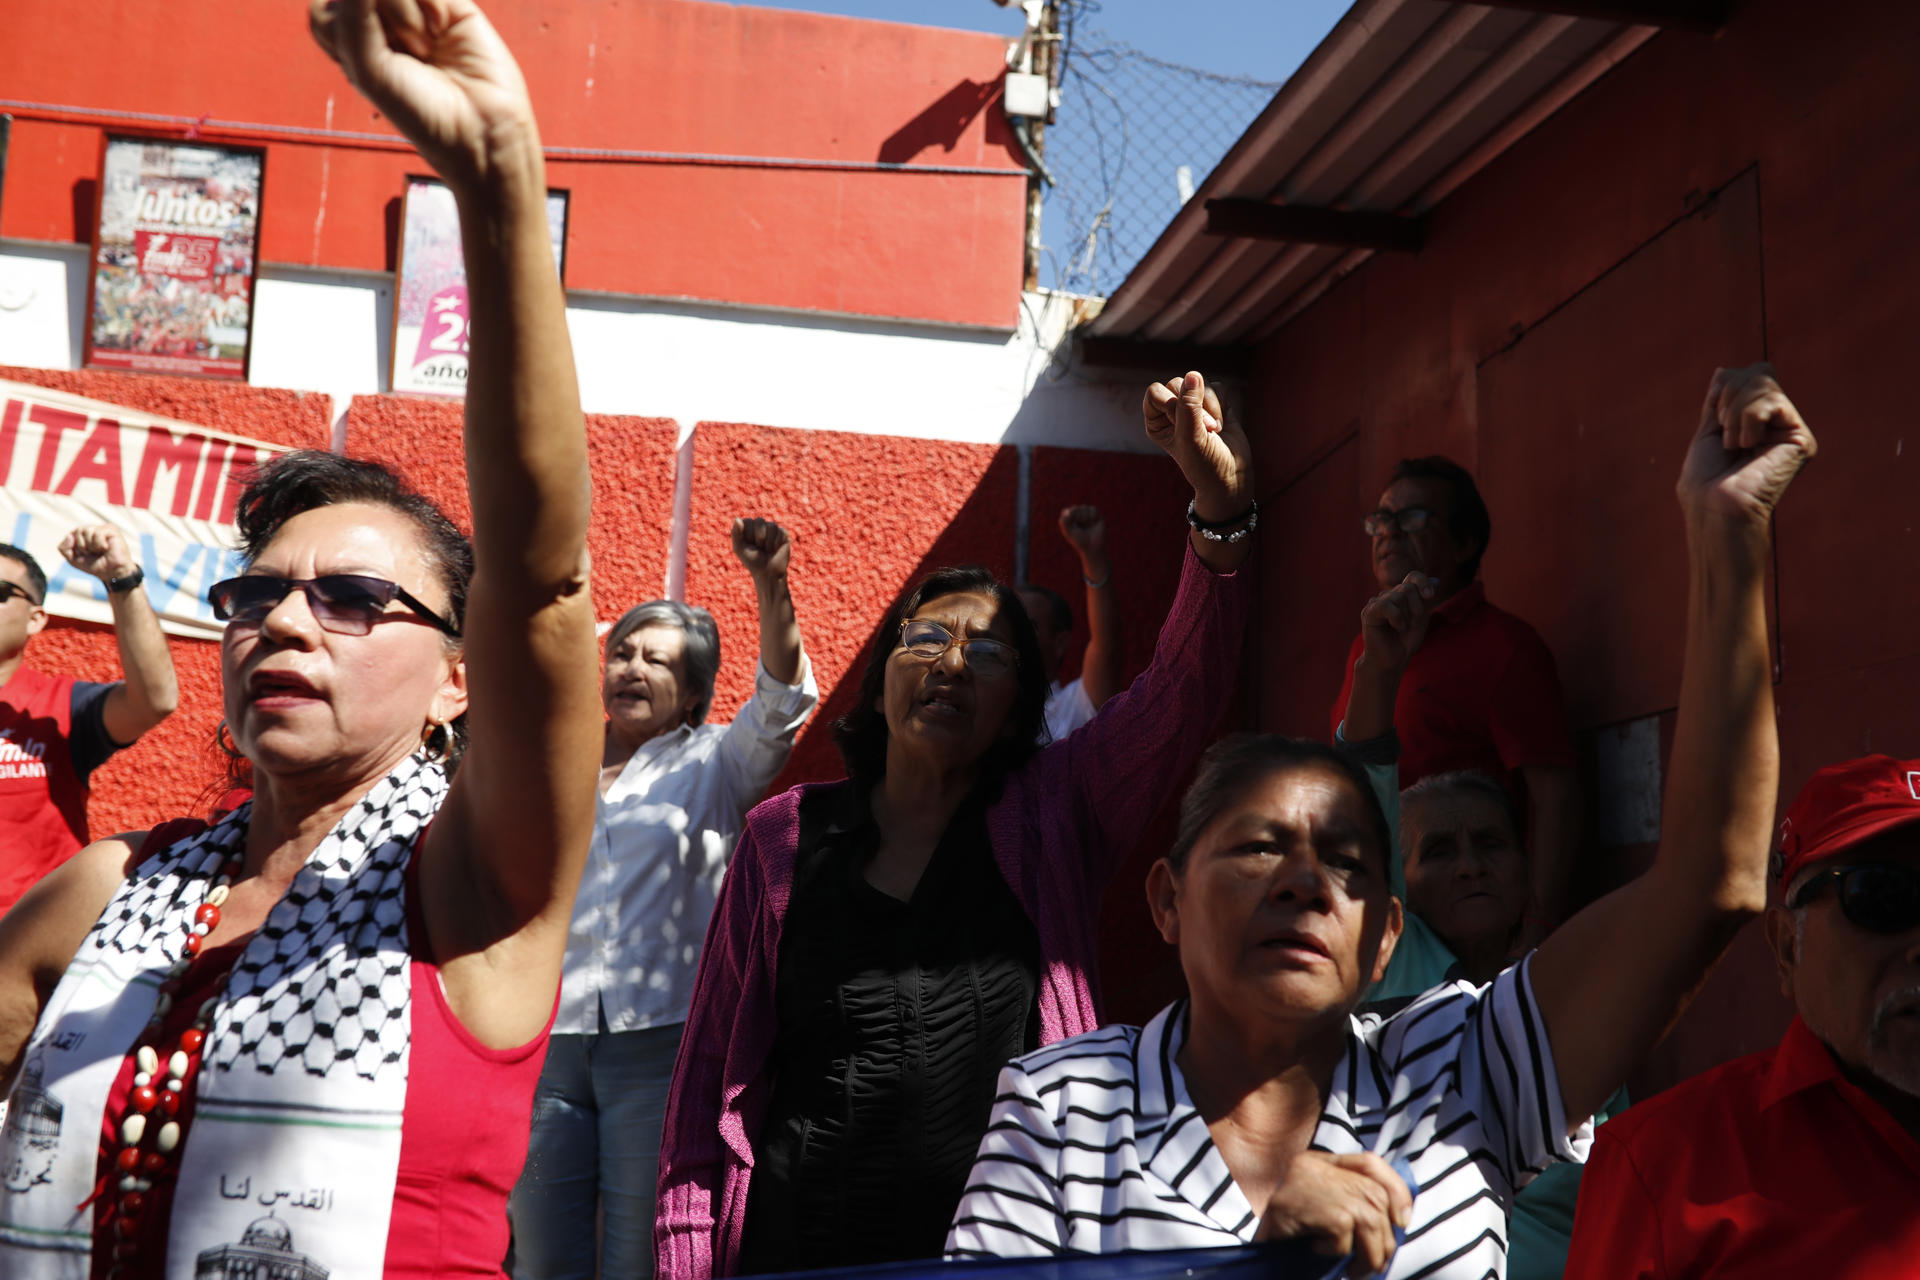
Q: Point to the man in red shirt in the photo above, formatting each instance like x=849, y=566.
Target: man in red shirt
x=54, y=730
x=1803, y=1160
x=1480, y=692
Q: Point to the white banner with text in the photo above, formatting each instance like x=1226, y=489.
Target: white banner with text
x=170, y=487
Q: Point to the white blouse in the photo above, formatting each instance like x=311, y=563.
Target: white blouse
x=665, y=832
x=1095, y=1145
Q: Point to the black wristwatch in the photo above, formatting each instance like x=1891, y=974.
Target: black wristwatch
x=120, y=586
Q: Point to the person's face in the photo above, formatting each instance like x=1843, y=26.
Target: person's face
x=20, y=618
x=644, y=685
x=301, y=700
x=1432, y=550
x=1466, y=871
x=1283, y=909
x=941, y=710
x=1053, y=644
x=1857, y=990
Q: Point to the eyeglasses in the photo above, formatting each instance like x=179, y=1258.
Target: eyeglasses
x=8, y=590
x=1879, y=897
x=929, y=641
x=347, y=604
x=1407, y=519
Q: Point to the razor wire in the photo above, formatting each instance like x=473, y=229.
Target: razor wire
x=1134, y=137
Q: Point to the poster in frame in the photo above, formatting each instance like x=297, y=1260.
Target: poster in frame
x=175, y=256
x=430, y=312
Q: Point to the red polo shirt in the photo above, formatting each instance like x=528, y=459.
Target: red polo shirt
x=1481, y=693
x=1769, y=1165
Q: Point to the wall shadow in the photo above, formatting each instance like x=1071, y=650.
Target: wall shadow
x=942, y=122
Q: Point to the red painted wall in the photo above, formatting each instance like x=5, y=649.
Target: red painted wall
x=868, y=514
x=170, y=768
x=671, y=75
x=1556, y=333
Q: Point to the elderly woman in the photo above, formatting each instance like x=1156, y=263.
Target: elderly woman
x=673, y=793
x=1262, y=1106
x=883, y=945
x=315, y=1026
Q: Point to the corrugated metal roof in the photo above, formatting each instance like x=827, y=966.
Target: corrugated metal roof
x=1401, y=103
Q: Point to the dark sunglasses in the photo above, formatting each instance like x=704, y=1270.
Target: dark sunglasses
x=346, y=604
x=1879, y=897
x=8, y=590
x=1406, y=520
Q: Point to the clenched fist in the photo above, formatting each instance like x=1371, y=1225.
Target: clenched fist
x=762, y=546
x=1184, y=416
x=98, y=549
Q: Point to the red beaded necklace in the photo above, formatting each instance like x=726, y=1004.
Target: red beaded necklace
x=151, y=1133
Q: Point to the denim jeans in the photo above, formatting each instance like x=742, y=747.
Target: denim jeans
x=597, y=1116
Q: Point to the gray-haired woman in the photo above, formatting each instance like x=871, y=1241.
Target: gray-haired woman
x=673, y=793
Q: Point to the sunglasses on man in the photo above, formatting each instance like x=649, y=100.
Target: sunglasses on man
x=1878, y=897
x=8, y=590
x=1407, y=520
x=347, y=604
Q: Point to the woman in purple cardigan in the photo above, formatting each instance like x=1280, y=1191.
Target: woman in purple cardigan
x=883, y=945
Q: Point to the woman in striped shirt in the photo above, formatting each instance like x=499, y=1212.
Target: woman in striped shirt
x=1262, y=1107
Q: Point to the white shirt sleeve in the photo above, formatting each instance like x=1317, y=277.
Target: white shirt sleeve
x=1068, y=707
x=1508, y=1073
x=1011, y=1208
x=757, y=743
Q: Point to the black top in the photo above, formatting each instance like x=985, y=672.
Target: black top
x=88, y=741
x=895, y=1019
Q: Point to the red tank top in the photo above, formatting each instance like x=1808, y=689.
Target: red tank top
x=43, y=806
x=463, y=1131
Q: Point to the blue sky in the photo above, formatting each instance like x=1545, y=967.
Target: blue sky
x=1128, y=137
x=1265, y=39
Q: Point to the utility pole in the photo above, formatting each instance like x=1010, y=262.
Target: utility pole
x=1031, y=99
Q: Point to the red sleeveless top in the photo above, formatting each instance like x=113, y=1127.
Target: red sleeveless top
x=463, y=1132
x=43, y=806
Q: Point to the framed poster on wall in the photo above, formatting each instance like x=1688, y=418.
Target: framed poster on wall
x=175, y=252
x=430, y=303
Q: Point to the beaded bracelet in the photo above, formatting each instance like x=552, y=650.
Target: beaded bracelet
x=1248, y=522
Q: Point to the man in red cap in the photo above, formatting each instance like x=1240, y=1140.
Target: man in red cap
x=1803, y=1160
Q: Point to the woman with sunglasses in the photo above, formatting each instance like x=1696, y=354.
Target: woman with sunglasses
x=314, y=1027
x=882, y=945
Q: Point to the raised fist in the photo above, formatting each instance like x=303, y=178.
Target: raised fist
x=1085, y=529
x=1184, y=417
x=762, y=546
x=1394, y=623
x=440, y=72
x=1750, y=444
x=98, y=549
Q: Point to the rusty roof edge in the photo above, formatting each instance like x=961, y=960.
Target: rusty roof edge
x=1332, y=56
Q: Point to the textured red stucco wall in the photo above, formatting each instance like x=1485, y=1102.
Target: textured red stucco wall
x=868, y=514
x=632, y=461
x=164, y=773
x=671, y=75
x=1541, y=253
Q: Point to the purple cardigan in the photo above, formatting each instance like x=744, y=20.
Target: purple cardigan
x=1060, y=827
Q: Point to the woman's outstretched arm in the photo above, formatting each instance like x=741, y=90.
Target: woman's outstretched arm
x=504, y=856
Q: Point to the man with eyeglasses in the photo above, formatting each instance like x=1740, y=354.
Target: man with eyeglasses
x=1804, y=1159
x=1481, y=692
x=56, y=730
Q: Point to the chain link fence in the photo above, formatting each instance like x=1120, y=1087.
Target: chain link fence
x=1134, y=137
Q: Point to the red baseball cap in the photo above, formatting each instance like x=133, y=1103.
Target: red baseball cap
x=1844, y=804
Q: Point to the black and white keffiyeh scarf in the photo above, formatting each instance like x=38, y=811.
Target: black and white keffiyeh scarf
x=295, y=1140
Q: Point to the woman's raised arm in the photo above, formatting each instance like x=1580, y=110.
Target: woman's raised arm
x=505, y=853
x=1612, y=979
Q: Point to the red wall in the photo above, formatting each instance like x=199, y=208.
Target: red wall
x=670, y=75
x=1695, y=207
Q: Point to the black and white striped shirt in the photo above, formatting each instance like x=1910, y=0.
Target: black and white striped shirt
x=1095, y=1145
